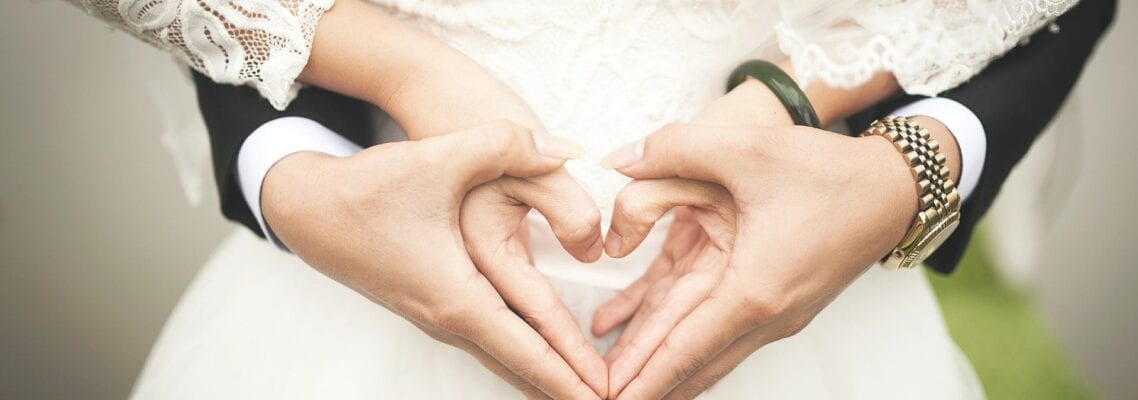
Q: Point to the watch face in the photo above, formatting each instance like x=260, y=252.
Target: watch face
x=938, y=235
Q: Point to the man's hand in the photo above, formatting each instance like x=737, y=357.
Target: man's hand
x=811, y=210
x=385, y=222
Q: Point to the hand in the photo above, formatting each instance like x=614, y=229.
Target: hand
x=812, y=211
x=687, y=246
x=388, y=227
x=494, y=229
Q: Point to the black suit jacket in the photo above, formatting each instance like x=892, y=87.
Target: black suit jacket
x=1015, y=98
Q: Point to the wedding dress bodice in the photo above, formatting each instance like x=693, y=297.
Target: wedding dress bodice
x=567, y=57
x=601, y=73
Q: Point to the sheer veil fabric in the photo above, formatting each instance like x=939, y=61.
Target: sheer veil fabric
x=259, y=323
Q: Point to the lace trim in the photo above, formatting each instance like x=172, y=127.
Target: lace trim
x=930, y=46
x=262, y=43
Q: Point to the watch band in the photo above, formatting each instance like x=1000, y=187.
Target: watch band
x=939, y=202
x=784, y=88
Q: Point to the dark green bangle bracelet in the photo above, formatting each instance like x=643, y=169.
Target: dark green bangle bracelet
x=787, y=91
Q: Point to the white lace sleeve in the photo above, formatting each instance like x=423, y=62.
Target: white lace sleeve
x=929, y=45
x=262, y=43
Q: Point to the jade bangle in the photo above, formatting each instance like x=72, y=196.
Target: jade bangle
x=787, y=91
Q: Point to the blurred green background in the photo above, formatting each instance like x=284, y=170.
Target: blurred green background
x=1002, y=332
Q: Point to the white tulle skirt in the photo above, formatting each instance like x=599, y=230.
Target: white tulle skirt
x=258, y=323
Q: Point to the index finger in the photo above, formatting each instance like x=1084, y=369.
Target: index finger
x=515, y=344
x=698, y=339
x=699, y=152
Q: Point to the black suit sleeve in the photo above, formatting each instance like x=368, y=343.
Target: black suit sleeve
x=1015, y=98
x=232, y=113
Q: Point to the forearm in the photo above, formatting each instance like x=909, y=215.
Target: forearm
x=833, y=103
x=428, y=87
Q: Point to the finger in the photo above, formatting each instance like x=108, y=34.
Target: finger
x=475, y=156
x=504, y=262
x=683, y=236
x=688, y=348
x=621, y=307
x=700, y=152
x=571, y=212
x=719, y=367
x=507, y=338
x=643, y=202
x=486, y=360
x=651, y=302
x=689, y=292
x=531, y=296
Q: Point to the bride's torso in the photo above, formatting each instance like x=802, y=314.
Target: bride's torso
x=603, y=74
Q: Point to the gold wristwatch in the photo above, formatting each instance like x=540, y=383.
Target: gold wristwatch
x=939, y=204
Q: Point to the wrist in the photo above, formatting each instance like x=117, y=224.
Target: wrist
x=286, y=184
x=937, y=211
x=759, y=104
x=749, y=103
x=834, y=104
x=948, y=145
x=896, y=182
x=890, y=180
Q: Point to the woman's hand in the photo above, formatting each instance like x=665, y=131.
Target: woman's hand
x=388, y=227
x=811, y=210
x=493, y=223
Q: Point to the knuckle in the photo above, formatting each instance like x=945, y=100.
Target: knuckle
x=671, y=135
x=539, y=311
x=631, y=204
x=795, y=326
x=695, y=386
x=580, y=229
x=435, y=154
x=499, y=142
x=762, y=308
x=531, y=371
x=452, y=318
x=530, y=392
x=438, y=335
x=687, y=362
x=507, y=136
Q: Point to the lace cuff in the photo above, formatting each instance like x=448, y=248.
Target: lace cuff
x=929, y=45
x=262, y=43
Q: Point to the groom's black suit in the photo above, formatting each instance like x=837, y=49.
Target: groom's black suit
x=1015, y=98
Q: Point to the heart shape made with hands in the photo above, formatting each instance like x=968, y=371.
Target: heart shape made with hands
x=742, y=265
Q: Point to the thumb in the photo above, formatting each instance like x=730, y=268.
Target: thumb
x=475, y=156
x=571, y=212
x=643, y=202
x=700, y=152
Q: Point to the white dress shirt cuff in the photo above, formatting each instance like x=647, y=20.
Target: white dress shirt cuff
x=274, y=141
x=965, y=126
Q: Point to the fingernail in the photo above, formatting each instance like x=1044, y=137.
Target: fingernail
x=627, y=155
x=613, y=243
x=556, y=146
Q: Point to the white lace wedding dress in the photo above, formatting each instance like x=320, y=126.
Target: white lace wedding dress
x=259, y=323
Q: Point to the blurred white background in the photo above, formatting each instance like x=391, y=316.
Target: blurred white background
x=97, y=240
